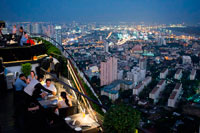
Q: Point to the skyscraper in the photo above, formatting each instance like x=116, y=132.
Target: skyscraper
x=143, y=64
x=108, y=71
x=161, y=41
x=100, y=38
x=37, y=28
x=29, y=28
x=106, y=46
x=58, y=34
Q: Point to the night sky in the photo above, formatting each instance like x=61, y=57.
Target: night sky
x=148, y=11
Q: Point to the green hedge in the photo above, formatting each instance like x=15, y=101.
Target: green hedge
x=50, y=48
x=26, y=69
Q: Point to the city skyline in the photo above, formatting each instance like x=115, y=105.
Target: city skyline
x=178, y=11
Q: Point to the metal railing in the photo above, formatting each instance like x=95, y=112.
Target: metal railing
x=67, y=55
x=68, y=86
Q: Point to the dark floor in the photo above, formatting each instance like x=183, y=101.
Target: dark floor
x=7, y=121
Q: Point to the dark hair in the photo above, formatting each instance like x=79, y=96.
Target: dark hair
x=33, y=72
x=64, y=95
x=21, y=75
x=40, y=76
x=21, y=27
x=51, y=60
x=48, y=80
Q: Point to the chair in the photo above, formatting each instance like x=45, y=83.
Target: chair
x=64, y=112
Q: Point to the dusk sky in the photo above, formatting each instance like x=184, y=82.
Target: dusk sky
x=159, y=11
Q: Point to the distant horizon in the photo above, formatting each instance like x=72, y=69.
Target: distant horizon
x=90, y=22
x=104, y=11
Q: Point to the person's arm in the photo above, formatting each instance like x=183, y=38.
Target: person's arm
x=33, y=108
x=54, y=90
x=37, y=92
x=70, y=102
x=43, y=88
x=23, y=84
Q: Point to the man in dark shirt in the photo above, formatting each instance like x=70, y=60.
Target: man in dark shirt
x=35, y=116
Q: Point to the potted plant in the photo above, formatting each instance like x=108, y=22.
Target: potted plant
x=26, y=69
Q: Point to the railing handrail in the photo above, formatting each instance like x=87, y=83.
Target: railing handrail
x=62, y=82
x=74, y=62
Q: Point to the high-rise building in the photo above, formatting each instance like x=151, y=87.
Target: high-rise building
x=187, y=60
x=58, y=34
x=100, y=38
x=120, y=74
x=136, y=75
x=108, y=71
x=106, y=46
x=29, y=28
x=37, y=28
x=143, y=64
x=164, y=73
x=161, y=41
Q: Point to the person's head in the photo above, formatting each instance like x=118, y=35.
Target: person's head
x=32, y=73
x=22, y=76
x=50, y=58
x=14, y=26
x=40, y=78
x=48, y=82
x=21, y=29
x=63, y=94
x=64, y=97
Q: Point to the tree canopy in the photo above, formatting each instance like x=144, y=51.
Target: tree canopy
x=122, y=119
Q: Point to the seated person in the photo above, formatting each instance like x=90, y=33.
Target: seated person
x=41, y=79
x=50, y=86
x=23, y=39
x=55, y=66
x=36, y=90
x=20, y=83
x=32, y=75
x=35, y=116
x=64, y=102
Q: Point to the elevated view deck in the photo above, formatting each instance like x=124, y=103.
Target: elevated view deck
x=79, y=116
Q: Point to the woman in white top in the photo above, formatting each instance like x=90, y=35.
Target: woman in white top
x=32, y=76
